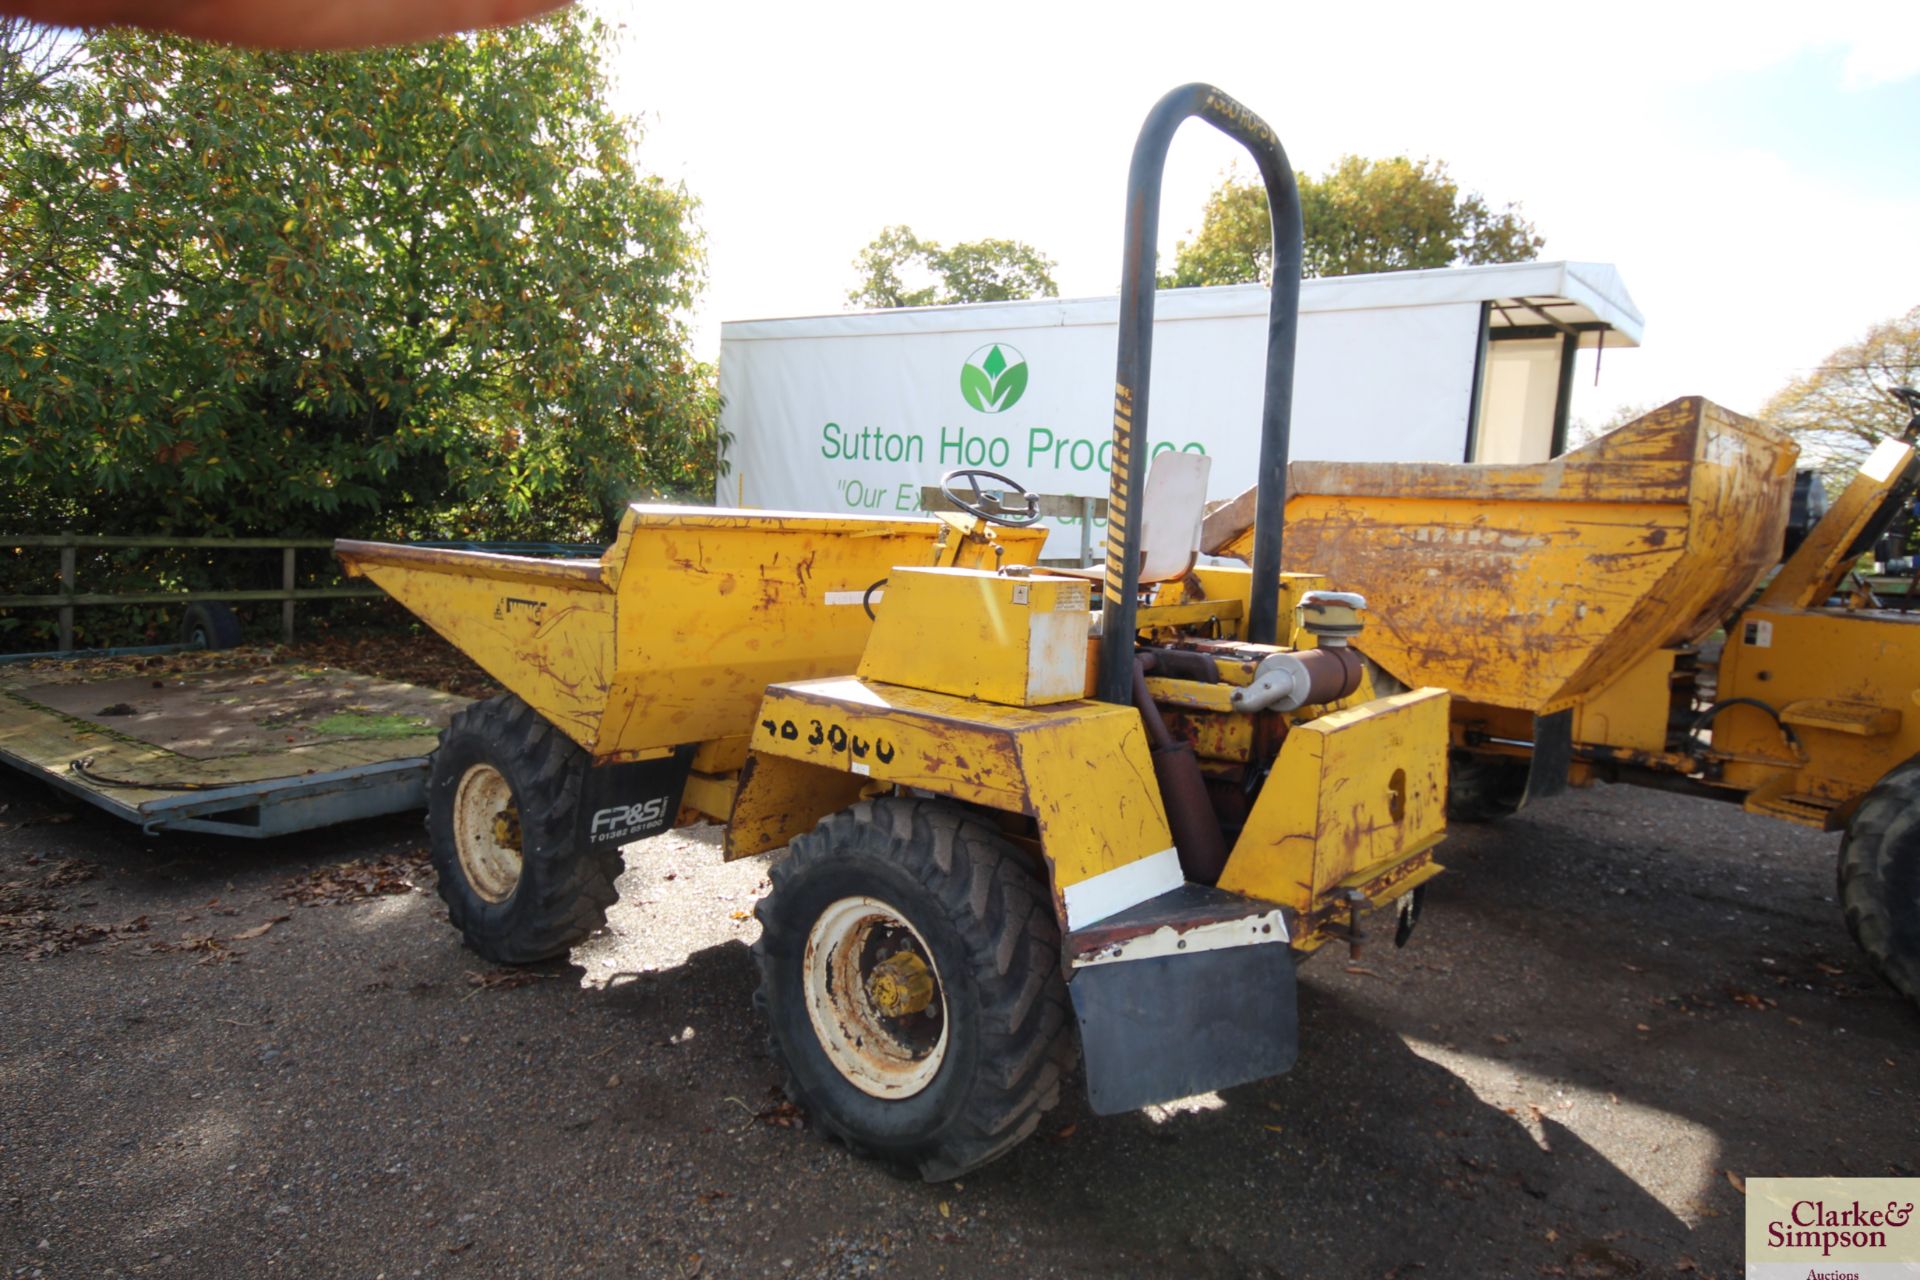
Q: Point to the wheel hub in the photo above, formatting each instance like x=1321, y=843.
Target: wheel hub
x=486, y=833
x=874, y=997
x=901, y=984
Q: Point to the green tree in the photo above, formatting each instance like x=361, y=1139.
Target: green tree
x=34, y=61
x=1843, y=407
x=899, y=269
x=419, y=290
x=1361, y=215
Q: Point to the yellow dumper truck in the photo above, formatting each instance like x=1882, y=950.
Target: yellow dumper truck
x=1622, y=614
x=1019, y=824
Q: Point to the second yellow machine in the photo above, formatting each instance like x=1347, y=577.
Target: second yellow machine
x=1028, y=811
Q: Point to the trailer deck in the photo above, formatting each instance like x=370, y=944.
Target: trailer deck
x=238, y=742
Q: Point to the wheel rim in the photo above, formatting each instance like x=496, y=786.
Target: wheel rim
x=486, y=831
x=875, y=999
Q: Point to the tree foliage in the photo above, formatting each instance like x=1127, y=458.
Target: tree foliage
x=1586, y=430
x=33, y=62
x=899, y=269
x=1842, y=408
x=420, y=290
x=1361, y=215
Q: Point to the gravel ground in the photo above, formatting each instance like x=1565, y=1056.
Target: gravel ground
x=219, y=1059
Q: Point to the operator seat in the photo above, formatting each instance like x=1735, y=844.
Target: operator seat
x=1171, y=513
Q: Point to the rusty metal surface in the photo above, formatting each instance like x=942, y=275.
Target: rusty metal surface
x=779, y=798
x=1352, y=794
x=1528, y=586
x=672, y=636
x=1184, y=910
x=357, y=557
x=1080, y=770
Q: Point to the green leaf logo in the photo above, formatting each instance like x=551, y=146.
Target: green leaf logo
x=994, y=378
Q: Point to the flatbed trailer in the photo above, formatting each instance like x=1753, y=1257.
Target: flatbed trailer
x=236, y=742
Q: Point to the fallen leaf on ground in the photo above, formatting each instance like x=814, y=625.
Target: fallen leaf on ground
x=258, y=930
x=782, y=1114
x=364, y=878
x=502, y=979
x=62, y=872
x=1739, y=1183
x=36, y=936
x=211, y=950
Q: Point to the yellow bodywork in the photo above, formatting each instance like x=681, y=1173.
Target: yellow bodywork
x=1531, y=586
x=1584, y=584
x=1357, y=800
x=1080, y=770
x=742, y=635
x=1631, y=711
x=1021, y=641
x=1844, y=682
x=673, y=634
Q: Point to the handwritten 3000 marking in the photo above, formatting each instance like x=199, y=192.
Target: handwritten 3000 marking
x=834, y=736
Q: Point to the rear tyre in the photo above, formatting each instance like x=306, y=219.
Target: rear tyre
x=910, y=971
x=1484, y=788
x=1879, y=878
x=209, y=624
x=501, y=807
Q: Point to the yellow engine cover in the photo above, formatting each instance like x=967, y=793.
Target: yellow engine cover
x=1015, y=640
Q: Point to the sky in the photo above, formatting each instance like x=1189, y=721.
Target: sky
x=1752, y=170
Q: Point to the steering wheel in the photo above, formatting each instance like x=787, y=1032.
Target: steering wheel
x=988, y=504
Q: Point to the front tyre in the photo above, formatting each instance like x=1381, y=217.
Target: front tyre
x=502, y=801
x=910, y=970
x=1880, y=878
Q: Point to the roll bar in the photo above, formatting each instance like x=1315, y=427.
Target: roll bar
x=1121, y=587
